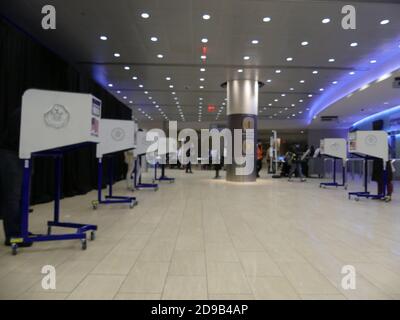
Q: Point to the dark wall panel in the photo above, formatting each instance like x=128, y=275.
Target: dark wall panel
x=26, y=64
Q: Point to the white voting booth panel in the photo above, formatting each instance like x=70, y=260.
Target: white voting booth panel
x=116, y=135
x=334, y=148
x=53, y=119
x=141, y=143
x=369, y=143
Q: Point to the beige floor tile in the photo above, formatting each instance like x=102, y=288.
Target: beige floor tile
x=146, y=277
x=138, y=296
x=97, y=287
x=188, y=263
x=365, y=290
x=158, y=250
x=306, y=279
x=258, y=264
x=221, y=252
x=226, y=278
x=323, y=297
x=43, y=296
x=185, y=288
x=116, y=263
x=194, y=242
x=232, y=297
x=273, y=288
x=15, y=284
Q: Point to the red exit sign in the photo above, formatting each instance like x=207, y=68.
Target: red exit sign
x=211, y=108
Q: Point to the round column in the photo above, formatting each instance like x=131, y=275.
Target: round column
x=242, y=112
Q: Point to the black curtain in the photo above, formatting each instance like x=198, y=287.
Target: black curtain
x=26, y=64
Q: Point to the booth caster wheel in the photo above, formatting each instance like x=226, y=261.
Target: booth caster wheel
x=95, y=205
x=155, y=189
x=14, y=249
x=92, y=236
x=84, y=244
x=346, y=187
x=132, y=204
x=357, y=199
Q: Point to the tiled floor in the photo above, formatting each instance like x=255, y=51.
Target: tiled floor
x=206, y=239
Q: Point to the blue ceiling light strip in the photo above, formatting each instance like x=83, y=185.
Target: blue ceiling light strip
x=387, y=63
x=376, y=116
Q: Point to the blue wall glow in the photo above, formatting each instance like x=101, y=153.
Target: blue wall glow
x=387, y=62
x=387, y=116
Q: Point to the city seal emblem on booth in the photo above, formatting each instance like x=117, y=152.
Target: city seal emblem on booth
x=57, y=117
x=118, y=134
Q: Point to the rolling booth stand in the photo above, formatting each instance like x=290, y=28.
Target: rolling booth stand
x=163, y=177
x=370, y=145
x=115, y=136
x=51, y=123
x=335, y=149
x=140, y=155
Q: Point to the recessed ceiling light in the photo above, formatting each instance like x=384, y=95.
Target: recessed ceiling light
x=291, y=89
x=302, y=81
x=289, y=59
x=125, y=97
x=118, y=92
x=326, y=20
x=283, y=95
x=267, y=19
x=104, y=38
x=140, y=86
x=240, y=70
x=203, y=69
x=204, y=40
x=134, y=78
x=354, y=44
x=310, y=95
x=171, y=86
x=322, y=89
x=255, y=42
x=278, y=71
x=373, y=61
x=110, y=85
x=154, y=39
x=127, y=68
x=246, y=58
x=203, y=57
x=334, y=82
x=146, y=92
x=352, y=73
x=301, y=100
x=331, y=60
x=168, y=78
x=117, y=55
x=305, y=43
x=315, y=72
x=202, y=79
x=269, y=80
x=386, y=21
x=160, y=56
x=276, y=100
x=201, y=87
x=145, y=15
x=206, y=17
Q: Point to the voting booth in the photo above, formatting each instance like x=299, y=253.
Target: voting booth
x=140, y=152
x=115, y=136
x=166, y=151
x=370, y=145
x=335, y=149
x=51, y=123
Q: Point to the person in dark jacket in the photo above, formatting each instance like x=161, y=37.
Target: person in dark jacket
x=377, y=176
x=11, y=174
x=189, y=164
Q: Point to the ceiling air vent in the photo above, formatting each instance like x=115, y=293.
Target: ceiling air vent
x=329, y=118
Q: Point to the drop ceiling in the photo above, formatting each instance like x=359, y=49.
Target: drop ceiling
x=138, y=77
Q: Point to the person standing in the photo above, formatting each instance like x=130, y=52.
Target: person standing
x=11, y=175
x=260, y=157
x=296, y=164
x=189, y=164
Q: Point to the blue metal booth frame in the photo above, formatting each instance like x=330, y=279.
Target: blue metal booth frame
x=26, y=237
